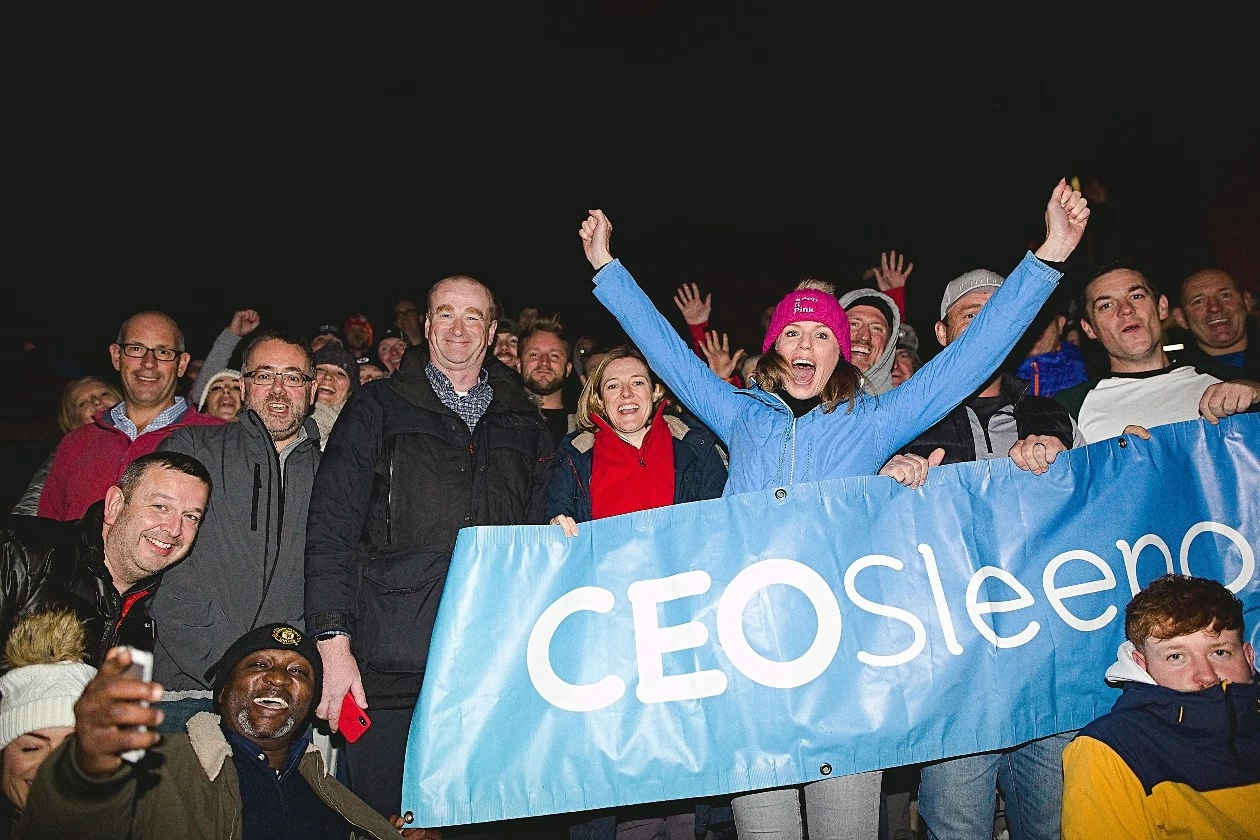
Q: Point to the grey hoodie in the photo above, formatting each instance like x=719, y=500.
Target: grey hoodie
x=879, y=377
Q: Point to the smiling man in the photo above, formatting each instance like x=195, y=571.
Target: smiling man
x=450, y=440
x=874, y=323
x=1215, y=311
x=107, y=565
x=149, y=357
x=248, y=772
x=1179, y=753
x=1122, y=310
x=248, y=566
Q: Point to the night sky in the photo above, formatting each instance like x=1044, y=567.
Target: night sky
x=742, y=151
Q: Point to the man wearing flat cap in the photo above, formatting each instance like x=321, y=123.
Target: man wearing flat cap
x=249, y=771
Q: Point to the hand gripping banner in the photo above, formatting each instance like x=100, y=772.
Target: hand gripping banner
x=780, y=637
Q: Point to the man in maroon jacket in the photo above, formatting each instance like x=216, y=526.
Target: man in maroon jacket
x=150, y=358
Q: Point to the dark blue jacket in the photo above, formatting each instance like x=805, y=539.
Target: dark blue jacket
x=699, y=469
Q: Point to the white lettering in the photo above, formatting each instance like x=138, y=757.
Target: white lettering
x=977, y=609
x=1057, y=594
x=557, y=692
x=1248, y=556
x=730, y=623
x=651, y=640
x=938, y=597
x=916, y=626
x=1130, y=558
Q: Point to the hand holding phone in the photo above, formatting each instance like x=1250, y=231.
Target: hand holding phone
x=353, y=721
x=141, y=668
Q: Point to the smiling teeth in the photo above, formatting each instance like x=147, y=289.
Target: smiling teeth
x=271, y=702
x=803, y=363
x=165, y=546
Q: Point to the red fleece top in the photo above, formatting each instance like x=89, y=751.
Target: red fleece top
x=625, y=479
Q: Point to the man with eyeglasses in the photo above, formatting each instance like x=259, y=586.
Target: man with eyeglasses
x=247, y=567
x=407, y=321
x=149, y=357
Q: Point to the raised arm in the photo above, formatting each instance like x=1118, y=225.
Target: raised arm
x=968, y=362
x=711, y=399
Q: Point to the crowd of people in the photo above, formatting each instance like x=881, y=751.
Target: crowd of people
x=277, y=530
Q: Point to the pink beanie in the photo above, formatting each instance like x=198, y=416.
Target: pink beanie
x=809, y=305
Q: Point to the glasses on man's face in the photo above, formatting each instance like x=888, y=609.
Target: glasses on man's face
x=137, y=351
x=292, y=379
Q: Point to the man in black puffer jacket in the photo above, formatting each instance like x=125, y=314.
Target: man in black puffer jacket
x=449, y=441
x=105, y=566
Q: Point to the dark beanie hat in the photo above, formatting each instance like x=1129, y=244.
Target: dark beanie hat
x=278, y=636
x=335, y=354
x=876, y=302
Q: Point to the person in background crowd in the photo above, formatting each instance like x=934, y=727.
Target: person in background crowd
x=81, y=400
x=106, y=566
x=327, y=334
x=44, y=675
x=545, y=366
x=389, y=351
x=507, y=344
x=244, y=322
x=407, y=321
x=1178, y=755
x=336, y=378
x=371, y=370
x=249, y=771
x=1122, y=310
x=149, y=357
x=448, y=441
x=223, y=395
x=1215, y=310
x=803, y=376
x=906, y=356
x=1051, y=364
x=359, y=336
x=874, y=324
x=247, y=567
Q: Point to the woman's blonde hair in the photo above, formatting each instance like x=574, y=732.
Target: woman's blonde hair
x=68, y=412
x=590, y=402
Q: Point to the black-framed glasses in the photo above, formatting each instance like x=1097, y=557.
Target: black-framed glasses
x=137, y=351
x=291, y=379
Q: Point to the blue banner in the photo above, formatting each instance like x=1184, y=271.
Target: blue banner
x=780, y=637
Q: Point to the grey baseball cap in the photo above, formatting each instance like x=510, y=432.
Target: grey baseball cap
x=979, y=278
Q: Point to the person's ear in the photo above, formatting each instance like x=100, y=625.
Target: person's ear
x=1087, y=329
x=184, y=359
x=115, y=501
x=115, y=356
x=940, y=332
x=493, y=334
x=1137, y=657
x=568, y=369
x=1163, y=307
x=1250, y=654
x=1180, y=317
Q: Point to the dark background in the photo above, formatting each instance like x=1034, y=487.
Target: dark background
x=312, y=173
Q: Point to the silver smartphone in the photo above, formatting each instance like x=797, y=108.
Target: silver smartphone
x=141, y=668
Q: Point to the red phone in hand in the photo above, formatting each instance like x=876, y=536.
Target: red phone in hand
x=352, y=721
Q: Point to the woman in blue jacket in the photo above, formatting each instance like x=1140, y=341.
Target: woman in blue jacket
x=786, y=430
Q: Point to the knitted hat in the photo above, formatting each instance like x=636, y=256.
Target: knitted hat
x=809, y=305
x=40, y=697
x=226, y=373
x=335, y=354
x=278, y=636
x=359, y=320
x=980, y=278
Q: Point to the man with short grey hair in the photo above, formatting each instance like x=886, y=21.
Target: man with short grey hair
x=450, y=440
